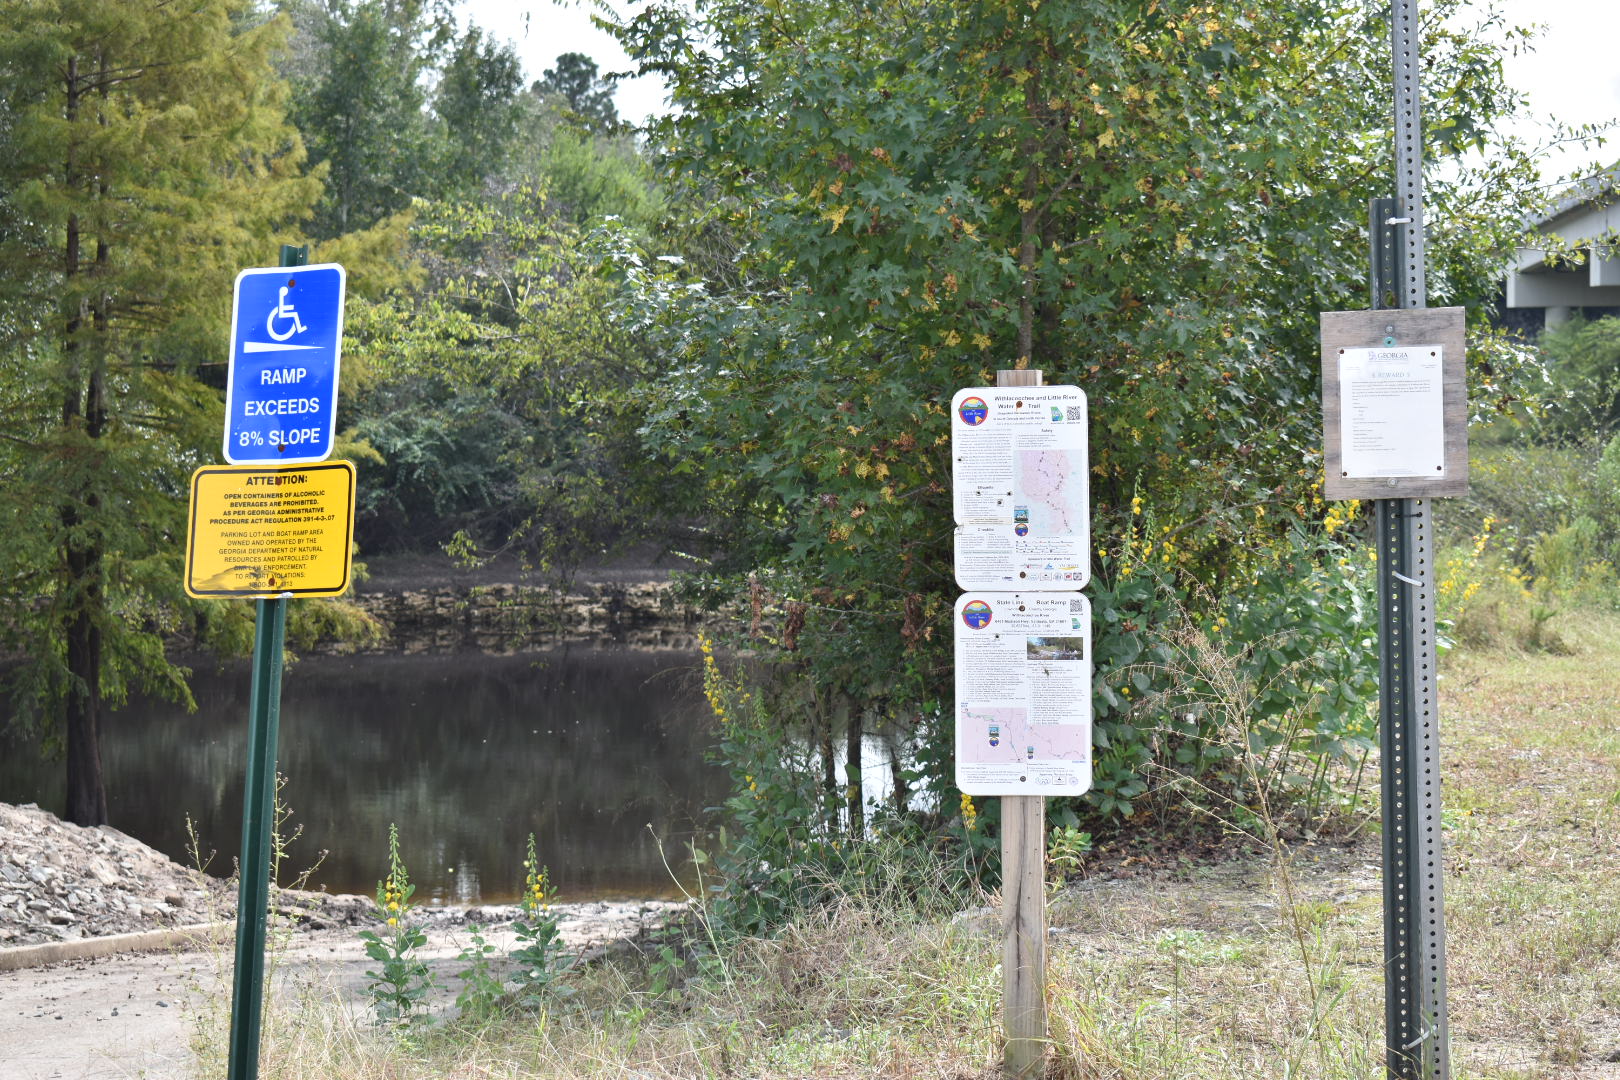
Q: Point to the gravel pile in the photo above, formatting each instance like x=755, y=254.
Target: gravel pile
x=60, y=881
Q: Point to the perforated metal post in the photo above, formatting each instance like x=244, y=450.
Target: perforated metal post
x=1414, y=922
x=1417, y=1038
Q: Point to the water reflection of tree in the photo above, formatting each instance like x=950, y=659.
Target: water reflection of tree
x=467, y=754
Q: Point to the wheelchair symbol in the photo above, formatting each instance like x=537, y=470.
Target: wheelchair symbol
x=283, y=310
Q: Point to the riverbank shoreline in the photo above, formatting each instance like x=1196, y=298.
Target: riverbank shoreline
x=431, y=604
x=62, y=884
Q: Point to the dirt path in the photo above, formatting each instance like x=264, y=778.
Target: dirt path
x=138, y=1015
x=116, y=1017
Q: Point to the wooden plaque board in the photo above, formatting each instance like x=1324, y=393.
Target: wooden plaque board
x=1397, y=328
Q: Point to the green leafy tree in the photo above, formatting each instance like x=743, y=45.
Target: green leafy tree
x=589, y=96
x=587, y=178
x=145, y=159
x=361, y=103
x=476, y=103
x=1584, y=365
x=503, y=391
x=886, y=202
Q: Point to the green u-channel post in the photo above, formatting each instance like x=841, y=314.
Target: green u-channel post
x=258, y=814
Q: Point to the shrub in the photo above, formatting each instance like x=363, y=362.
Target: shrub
x=539, y=957
x=1258, y=697
x=402, y=982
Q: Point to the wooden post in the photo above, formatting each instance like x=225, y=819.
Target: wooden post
x=1023, y=905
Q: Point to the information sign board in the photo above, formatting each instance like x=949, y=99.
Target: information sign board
x=1394, y=404
x=1021, y=490
x=1023, y=693
x=281, y=390
x=268, y=532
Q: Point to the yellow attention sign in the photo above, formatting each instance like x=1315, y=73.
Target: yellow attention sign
x=268, y=532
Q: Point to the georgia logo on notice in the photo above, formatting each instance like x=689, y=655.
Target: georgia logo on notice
x=976, y=614
x=973, y=410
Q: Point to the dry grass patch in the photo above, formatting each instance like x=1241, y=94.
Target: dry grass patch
x=1265, y=969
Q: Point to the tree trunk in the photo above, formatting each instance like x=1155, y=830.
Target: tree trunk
x=829, y=767
x=86, y=795
x=854, y=799
x=900, y=791
x=82, y=554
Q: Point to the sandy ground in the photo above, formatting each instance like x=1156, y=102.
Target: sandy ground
x=117, y=1017
x=134, y=1016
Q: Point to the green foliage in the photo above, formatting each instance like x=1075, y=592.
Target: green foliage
x=476, y=103
x=448, y=465
x=780, y=844
x=882, y=203
x=588, y=178
x=362, y=105
x=501, y=392
x=1544, y=516
x=402, y=979
x=1572, y=558
x=362, y=101
x=1066, y=850
x=1583, y=357
x=1258, y=697
x=482, y=991
x=788, y=843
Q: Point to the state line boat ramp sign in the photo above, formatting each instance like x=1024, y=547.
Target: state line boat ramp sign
x=281, y=391
x=1021, y=488
x=1023, y=693
x=268, y=532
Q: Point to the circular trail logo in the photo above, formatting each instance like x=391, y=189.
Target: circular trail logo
x=1021, y=529
x=973, y=410
x=976, y=614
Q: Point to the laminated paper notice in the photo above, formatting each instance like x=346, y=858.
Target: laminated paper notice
x=1391, y=412
x=1020, y=488
x=1023, y=693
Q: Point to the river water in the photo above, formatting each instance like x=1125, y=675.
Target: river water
x=600, y=752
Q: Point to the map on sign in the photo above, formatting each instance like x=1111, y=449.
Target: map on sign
x=281, y=389
x=1021, y=492
x=257, y=531
x=1023, y=693
x=1004, y=736
x=1051, y=485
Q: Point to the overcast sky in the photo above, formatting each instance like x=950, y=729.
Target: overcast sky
x=541, y=31
x=1573, y=74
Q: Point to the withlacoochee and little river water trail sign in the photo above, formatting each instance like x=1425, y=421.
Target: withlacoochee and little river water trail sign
x=286, y=337
x=1020, y=484
x=1022, y=505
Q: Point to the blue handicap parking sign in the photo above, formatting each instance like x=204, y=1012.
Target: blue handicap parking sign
x=281, y=393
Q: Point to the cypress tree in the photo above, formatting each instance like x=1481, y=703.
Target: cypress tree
x=145, y=158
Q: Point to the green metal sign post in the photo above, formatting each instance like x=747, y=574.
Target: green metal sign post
x=258, y=815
